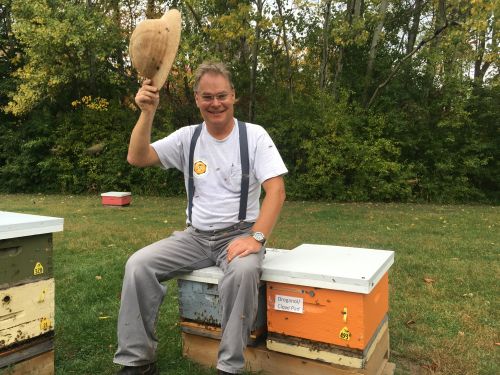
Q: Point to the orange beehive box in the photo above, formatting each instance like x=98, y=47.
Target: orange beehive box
x=116, y=198
x=329, y=316
x=328, y=295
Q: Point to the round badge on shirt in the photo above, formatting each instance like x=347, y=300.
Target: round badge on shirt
x=200, y=168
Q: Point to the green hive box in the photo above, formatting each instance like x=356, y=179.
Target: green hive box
x=26, y=247
x=25, y=259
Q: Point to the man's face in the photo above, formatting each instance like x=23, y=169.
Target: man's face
x=215, y=98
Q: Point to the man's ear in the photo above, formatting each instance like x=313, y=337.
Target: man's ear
x=196, y=98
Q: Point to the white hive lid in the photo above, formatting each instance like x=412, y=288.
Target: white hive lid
x=348, y=269
x=211, y=275
x=117, y=194
x=13, y=225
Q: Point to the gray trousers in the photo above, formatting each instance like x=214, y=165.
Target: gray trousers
x=185, y=251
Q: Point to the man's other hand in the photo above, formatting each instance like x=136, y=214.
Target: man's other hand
x=242, y=246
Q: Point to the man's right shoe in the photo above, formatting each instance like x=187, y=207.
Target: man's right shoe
x=220, y=372
x=149, y=369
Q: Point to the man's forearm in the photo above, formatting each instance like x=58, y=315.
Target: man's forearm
x=269, y=213
x=140, y=139
x=271, y=206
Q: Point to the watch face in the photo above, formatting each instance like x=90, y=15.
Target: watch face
x=259, y=236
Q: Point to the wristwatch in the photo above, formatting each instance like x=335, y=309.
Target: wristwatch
x=259, y=237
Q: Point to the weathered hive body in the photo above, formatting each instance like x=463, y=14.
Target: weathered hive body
x=27, y=291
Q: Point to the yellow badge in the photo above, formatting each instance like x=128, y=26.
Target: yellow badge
x=345, y=334
x=45, y=324
x=200, y=167
x=38, y=270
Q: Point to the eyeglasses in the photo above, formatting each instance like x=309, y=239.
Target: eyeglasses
x=207, y=98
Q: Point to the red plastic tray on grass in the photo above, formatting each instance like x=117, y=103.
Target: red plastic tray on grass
x=116, y=198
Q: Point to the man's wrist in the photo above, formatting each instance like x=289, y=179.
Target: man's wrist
x=259, y=237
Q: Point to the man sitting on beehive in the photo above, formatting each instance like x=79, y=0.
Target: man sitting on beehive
x=225, y=162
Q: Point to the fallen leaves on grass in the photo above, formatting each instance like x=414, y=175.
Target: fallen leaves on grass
x=98, y=277
x=429, y=280
x=410, y=323
x=432, y=367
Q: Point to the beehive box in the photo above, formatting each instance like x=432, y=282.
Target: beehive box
x=26, y=312
x=26, y=247
x=116, y=198
x=26, y=291
x=327, y=298
x=25, y=259
x=200, y=308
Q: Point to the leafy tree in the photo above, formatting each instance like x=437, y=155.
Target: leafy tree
x=366, y=99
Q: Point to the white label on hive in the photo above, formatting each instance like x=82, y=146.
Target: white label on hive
x=290, y=304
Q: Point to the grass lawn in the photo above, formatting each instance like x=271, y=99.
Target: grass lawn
x=444, y=284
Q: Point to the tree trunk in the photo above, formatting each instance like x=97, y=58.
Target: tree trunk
x=195, y=15
x=117, y=19
x=243, y=51
x=338, y=72
x=6, y=50
x=440, y=18
x=439, y=21
x=413, y=30
x=357, y=8
x=150, y=9
x=480, y=47
x=373, y=48
x=353, y=13
x=255, y=52
x=91, y=59
x=481, y=66
x=323, y=70
x=287, y=49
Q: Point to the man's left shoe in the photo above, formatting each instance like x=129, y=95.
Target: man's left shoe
x=149, y=369
x=220, y=372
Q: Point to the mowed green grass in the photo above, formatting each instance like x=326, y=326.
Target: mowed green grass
x=444, y=284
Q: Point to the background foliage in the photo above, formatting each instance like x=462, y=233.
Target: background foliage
x=366, y=99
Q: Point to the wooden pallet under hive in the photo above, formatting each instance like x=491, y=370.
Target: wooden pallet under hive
x=42, y=364
x=34, y=357
x=203, y=350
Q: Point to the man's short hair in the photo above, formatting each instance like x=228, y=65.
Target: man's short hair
x=213, y=67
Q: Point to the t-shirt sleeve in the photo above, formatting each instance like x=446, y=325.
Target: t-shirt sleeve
x=268, y=161
x=170, y=150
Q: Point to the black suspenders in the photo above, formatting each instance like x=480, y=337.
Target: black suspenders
x=245, y=170
x=194, y=139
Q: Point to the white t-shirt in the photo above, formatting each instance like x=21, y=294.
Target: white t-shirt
x=217, y=171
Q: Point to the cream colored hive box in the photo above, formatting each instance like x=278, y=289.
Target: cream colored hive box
x=26, y=311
